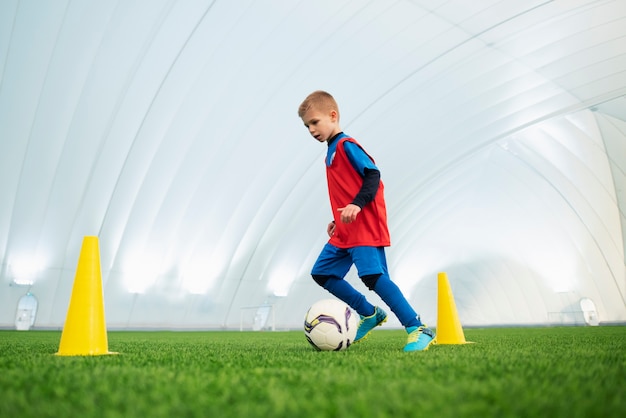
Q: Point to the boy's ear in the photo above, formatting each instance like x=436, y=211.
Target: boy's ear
x=333, y=115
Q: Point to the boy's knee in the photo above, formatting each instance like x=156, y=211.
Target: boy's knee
x=320, y=279
x=370, y=280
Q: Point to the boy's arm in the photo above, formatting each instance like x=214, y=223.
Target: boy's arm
x=367, y=169
x=371, y=181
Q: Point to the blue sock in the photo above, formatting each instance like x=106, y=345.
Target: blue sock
x=390, y=293
x=344, y=291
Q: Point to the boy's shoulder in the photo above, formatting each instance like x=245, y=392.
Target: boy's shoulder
x=347, y=138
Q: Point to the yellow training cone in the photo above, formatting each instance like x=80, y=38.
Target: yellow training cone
x=449, y=330
x=84, y=332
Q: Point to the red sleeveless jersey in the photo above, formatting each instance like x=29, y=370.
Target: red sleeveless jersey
x=344, y=183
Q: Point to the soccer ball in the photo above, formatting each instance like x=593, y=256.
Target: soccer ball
x=329, y=325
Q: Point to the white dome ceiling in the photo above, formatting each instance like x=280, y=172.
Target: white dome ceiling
x=169, y=129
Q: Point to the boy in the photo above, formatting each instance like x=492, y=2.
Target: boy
x=358, y=233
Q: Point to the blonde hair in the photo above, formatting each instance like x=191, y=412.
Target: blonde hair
x=320, y=100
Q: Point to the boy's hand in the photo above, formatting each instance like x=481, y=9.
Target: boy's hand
x=330, y=229
x=348, y=213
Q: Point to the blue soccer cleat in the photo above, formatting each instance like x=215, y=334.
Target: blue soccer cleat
x=368, y=323
x=420, y=338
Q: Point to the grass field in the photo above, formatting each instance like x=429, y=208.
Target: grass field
x=507, y=372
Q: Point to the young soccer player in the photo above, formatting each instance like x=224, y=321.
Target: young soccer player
x=358, y=232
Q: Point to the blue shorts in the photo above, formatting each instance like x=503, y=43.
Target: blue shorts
x=336, y=262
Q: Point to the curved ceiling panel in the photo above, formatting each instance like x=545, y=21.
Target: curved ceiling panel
x=169, y=130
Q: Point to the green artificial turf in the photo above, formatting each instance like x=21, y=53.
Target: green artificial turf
x=507, y=372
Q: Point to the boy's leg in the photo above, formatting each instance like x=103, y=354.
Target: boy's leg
x=345, y=292
x=391, y=294
x=329, y=270
x=420, y=337
x=372, y=265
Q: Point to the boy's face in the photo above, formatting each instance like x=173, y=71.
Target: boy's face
x=321, y=125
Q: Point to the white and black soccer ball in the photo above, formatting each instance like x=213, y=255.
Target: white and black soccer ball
x=330, y=325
